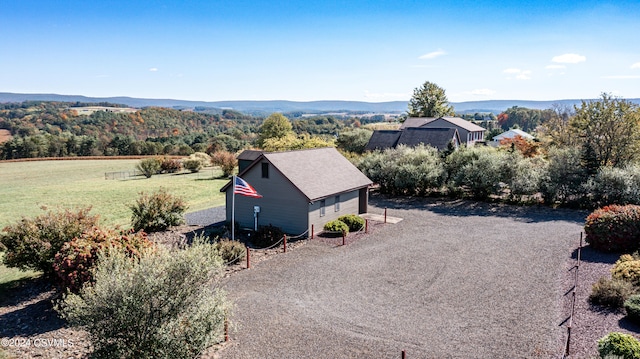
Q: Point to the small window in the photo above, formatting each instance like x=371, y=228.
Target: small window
x=337, y=204
x=265, y=170
x=322, y=204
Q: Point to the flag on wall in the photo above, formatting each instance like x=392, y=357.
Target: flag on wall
x=242, y=187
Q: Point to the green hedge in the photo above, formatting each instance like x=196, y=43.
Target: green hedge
x=619, y=345
x=354, y=222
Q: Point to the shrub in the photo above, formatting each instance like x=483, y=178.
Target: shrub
x=161, y=306
x=619, y=344
x=149, y=166
x=564, y=180
x=611, y=292
x=33, y=243
x=614, y=228
x=157, y=211
x=193, y=165
x=170, y=165
x=483, y=174
x=226, y=160
x=632, y=306
x=354, y=222
x=75, y=261
x=627, y=268
x=336, y=226
x=267, y=236
x=231, y=251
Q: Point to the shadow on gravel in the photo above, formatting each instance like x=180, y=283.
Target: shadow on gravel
x=17, y=291
x=35, y=318
x=591, y=255
x=460, y=208
x=626, y=323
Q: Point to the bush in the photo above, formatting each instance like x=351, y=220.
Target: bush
x=75, y=261
x=336, y=226
x=170, y=165
x=267, y=236
x=632, y=306
x=226, y=160
x=33, y=243
x=149, y=166
x=157, y=211
x=627, y=268
x=619, y=344
x=231, y=251
x=564, y=180
x=611, y=292
x=193, y=165
x=614, y=228
x=354, y=222
x=162, y=306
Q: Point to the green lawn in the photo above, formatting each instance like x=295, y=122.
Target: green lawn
x=28, y=187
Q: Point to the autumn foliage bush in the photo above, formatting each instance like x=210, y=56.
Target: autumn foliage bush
x=226, y=160
x=74, y=263
x=157, y=211
x=614, y=228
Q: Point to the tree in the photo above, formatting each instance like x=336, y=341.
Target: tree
x=354, y=141
x=429, y=100
x=611, y=128
x=275, y=126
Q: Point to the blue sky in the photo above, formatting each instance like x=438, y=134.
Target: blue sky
x=321, y=50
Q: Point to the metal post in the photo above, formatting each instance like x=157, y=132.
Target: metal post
x=343, y=237
x=248, y=256
x=312, y=231
x=385, y=214
x=366, y=226
x=285, y=243
x=226, y=329
x=404, y=354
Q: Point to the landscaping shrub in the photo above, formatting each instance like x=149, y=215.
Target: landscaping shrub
x=611, y=292
x=149, y=166
x=336, y=226
x=615, y=186
x=627, y=268
x=614, y=228
x=33, y=243
x=193, y=165
x=231, y=251
x=226, y=160
x=621, y=345
x=354, y=222
x=632, y=306
x=266, y=236
x=162, y=306
x=75, y=261
x=483, y=174
x=564, y=180
x=170, y=165
x=157, y=211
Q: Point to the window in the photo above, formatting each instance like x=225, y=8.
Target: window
x=336, y=206
x=265, y=170
x=322, y=204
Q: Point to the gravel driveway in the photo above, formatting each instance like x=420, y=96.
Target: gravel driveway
x=454, y=279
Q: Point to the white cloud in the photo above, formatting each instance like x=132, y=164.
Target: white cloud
x=569, y=59
x=153, y=69
x=433, y=55
x=636, y=65
x=519, y=74
x=621, y=77
x=555, y=67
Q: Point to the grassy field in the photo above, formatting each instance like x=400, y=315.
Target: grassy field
x=29, y=187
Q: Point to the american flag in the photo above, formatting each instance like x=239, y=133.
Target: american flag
x=242, y=187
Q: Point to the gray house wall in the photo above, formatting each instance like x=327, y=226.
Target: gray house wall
x=282, y=205
x=349, y=204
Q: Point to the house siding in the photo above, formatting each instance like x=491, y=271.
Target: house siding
x=282, y=205
x=349, y=204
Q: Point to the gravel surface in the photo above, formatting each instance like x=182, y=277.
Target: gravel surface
x=206, y=217
x=454, y=279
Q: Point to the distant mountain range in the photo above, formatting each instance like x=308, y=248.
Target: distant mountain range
x=495, y=106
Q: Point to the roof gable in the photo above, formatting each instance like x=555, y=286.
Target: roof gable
x=453, y=121
x=511, y=134
x=382, y=139
x=434, y=137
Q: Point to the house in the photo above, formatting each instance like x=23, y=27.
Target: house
x=299, y=189
x=413, y=136
x=469, y=132
x=512, y=133
x=246, y=158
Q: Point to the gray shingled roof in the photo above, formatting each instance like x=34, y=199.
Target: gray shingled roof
x=457, y=121
x=318, y=173
x=435, y=137
x=382, y=139
x=249, y=155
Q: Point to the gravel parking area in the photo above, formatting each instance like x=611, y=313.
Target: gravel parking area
x=454, y=279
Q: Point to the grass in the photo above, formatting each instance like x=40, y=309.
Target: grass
x=11, y=278
x=29, y=188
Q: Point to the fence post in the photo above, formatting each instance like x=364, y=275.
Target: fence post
x=366, y=226
x=248, y=256
x=312, y=231
x=385, y=215
x=226, y=328
x=404, y=354
x=285, y=243
x=343, y=237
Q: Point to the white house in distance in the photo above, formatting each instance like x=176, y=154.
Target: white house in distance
x=512, y=133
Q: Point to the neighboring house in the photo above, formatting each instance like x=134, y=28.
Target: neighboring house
x=512, y=134
x=469, y=132
x=413, y=136
x=246, y=158
x=299, y=189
